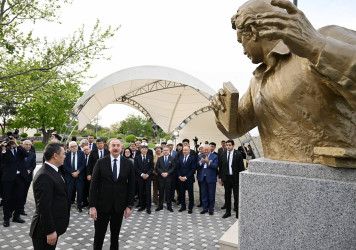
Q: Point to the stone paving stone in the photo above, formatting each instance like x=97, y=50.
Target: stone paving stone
x=160, y=230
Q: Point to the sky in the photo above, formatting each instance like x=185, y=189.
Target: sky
x=194, y=36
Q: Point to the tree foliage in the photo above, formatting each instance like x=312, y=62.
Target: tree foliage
x=7, y=110
x=49, y=109
x=136, y=125
x=29, y=63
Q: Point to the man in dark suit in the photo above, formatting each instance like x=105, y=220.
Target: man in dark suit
x=13, y=180
x=186, y=166
x=111, y=194
x=165, y=168
x=51, y=218
x=91, y=144
x=30, y=165
x=175, y=183
x=144, y=168
x=74, y=167
x=95, y=155
x=231, y=164
x=86, y=151
x=223, y=147
x=208, y=164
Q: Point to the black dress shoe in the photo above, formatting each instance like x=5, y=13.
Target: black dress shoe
x=223, y=207
x=226, y=215
x=204, y=212
x=79, y=210
x=159, y=208
x=170, y=209
x=200, y=205
x=211, y=212
x=141, y=209
x=6, y=223
x=148, y=210
x=181, y=209
x=174, y=200
x=138, y=205
x=23, y=212
x=18, y=220
x=190, y=211
x=237, y=216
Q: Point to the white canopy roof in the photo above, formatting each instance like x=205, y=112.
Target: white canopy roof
x=164, y=95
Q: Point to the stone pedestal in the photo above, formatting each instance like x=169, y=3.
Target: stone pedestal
x=287, y=205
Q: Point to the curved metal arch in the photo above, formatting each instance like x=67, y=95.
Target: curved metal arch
x=192, y=116
x=136, y=105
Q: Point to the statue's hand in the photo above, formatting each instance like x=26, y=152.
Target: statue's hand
x=217, y=102
x=293, y=28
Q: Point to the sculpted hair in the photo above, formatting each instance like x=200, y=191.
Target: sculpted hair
x=51, y=149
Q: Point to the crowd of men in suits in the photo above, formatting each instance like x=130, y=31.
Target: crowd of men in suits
x=172, y=172
x=17, y=165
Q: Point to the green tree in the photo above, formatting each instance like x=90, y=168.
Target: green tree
x=7, y=110
x=136, y=125
x=29, y=63
x=49, y=109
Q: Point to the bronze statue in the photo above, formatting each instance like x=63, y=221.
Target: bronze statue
x=302, y=95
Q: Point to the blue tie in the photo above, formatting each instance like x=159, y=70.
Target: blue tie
x=15, y=153
x=114, y=171
x=165, y=160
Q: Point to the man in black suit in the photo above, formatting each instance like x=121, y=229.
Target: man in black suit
x=92, y=144
x=231, y=164
x=144, y=168
x=111, y=194
x=13, y=180
x=95, y=155
x=51, y=218
x=186, y=167
x=165, y=168
x=74, y=167
x=223, y=147
x=30, y=165
x=86, y=151
x=149, y=151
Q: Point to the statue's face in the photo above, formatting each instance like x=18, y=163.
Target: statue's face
x=252, y=49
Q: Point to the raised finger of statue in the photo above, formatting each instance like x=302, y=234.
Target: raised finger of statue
x=285, y=4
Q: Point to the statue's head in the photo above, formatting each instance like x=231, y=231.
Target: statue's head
x=247, y=32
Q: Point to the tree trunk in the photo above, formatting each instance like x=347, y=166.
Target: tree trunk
x=3, y=126
x=46, y=134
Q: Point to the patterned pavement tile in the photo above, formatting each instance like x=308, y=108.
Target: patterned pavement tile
x=160, y=230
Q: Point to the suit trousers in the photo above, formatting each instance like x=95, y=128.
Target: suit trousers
x=13, y=193
x=184, y=185
x=27, y=187
x=144, y=190
x=165, y=187
x=174, y=186
x=101, y=225
x=79, y=186
x=208, y=194
x=39, y=241
x=231, y=185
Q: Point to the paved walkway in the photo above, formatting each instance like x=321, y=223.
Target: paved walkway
x=160, y=230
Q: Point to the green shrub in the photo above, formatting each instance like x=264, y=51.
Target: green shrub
x=37, y=134
x=130, y=138
x=24, y=135
x=167, y=137
x=39, y=146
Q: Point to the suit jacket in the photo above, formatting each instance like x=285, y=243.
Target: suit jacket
x=10, y=165
x=187, y=169
x=165, y=168
x=222, y=150
x=143, y=167
x=237, y=165
x=30, y=164
x=210, y=171
x=94, y=146
x=80, y=158
x=106, y=194
x=93, y=158
x=52, y=205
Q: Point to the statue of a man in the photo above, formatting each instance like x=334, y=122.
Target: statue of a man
x=303, y=93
